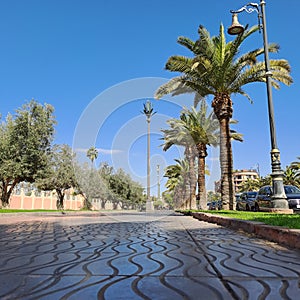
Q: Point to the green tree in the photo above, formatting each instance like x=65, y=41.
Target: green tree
x=250, y=185
x=267, y=180
x=211, y=196
x=105, y=172
x=25, y=146
x=290, y=176
x=125, y=191
x=61, y=176
x=217, y=69
x=168, y=199
x=89, y=184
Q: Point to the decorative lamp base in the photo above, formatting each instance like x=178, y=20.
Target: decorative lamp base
x=149, y=206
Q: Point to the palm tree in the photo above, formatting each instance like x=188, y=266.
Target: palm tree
x=250, y=185
x=92, y=154
x=216, y=69
x=178, y=182
x=204, y=130
x=267, y=180
x=195, y=130
x=179, y=135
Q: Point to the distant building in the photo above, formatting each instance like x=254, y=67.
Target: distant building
x=240, y=176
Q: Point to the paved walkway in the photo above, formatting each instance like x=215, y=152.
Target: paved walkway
x=139, y=256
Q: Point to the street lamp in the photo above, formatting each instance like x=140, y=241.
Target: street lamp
x=148, y=112
x=158, y=182
x=279, y=198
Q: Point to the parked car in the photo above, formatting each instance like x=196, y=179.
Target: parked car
x=246, y=201
x=215, y=205
x=264, y=196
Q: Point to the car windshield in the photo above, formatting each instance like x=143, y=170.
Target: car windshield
x=291, y=190
x=252, y=194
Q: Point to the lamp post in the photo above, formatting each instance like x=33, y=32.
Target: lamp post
x=279, y=198
x=148, y=112
x=158, y=183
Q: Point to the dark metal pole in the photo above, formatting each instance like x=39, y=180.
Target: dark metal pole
x=279, y=197
x=268, y=81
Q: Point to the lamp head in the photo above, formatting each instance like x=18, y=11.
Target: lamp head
x=235, y=28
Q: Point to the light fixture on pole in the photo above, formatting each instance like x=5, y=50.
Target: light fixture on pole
x=279, y=198
x=148, y=112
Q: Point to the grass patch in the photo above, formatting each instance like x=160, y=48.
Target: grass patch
x=291, y=221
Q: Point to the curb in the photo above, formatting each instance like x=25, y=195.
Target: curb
x=280, y=235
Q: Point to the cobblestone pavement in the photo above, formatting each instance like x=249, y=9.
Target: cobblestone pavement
x=139, y=256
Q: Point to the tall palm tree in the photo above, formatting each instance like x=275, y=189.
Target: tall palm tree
x=178, y=182
x=203, y=127
x=92, y=154
x=216, y=69
x=179, y=135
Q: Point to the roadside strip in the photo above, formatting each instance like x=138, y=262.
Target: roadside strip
x=280, y=235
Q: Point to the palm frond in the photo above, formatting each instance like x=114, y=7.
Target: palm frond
x=168, y=87
x=186, y=42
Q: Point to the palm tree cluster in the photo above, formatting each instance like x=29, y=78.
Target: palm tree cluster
x=195, y=130
x=217, y=69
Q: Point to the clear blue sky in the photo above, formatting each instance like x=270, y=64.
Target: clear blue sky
x=83, y=57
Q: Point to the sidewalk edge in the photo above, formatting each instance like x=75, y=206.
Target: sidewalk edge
x=284, y=236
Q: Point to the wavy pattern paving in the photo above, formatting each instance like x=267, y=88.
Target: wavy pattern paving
x=140, y=256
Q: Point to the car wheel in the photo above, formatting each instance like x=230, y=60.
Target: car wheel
x=238, y=207
x=256, y=207
x=247, y=207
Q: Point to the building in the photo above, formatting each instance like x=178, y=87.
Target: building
x=240, y=176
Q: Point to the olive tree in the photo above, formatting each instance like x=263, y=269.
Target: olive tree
x=61, y=175
x=25, y=146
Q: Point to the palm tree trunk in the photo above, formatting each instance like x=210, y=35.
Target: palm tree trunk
x=190, y=153
x=202, y=153
x=222, y=106
x=226, y=165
